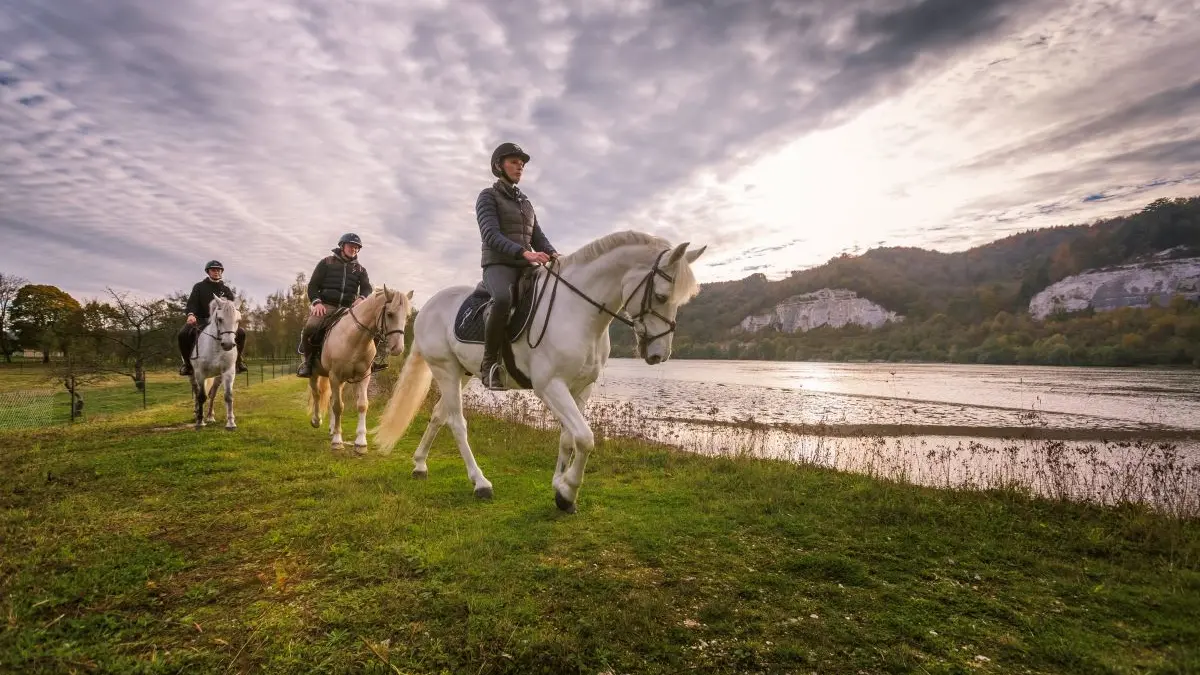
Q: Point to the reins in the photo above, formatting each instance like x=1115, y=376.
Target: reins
x=379, y=334
x=646, y=308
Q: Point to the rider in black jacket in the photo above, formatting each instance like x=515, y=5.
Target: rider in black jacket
x=202, y=294
x=339, y=280
x=511, y=240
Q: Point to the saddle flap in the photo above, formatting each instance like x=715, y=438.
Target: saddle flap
x=471, y=319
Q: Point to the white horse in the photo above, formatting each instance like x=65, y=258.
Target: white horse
x=215, y=356
x=563, y=362
x=347, y=353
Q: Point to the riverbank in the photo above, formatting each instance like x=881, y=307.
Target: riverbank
x=138, y=544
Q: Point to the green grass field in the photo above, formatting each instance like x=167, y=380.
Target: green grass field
x=135, y=544
x=30, y=397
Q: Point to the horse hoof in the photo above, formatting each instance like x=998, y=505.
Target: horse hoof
x=360, y=450
x=563, y=503
x=335, y=446
x=231, y=428
x=420, y=474
x=483, y=492
x=315, y=423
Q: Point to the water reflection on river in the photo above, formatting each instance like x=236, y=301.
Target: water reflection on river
x=1049, y=429
x=918, y=394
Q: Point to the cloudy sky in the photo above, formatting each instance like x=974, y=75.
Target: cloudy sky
x=139, y=138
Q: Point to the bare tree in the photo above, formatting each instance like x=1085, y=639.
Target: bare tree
x=9, y=285
x=136, y=327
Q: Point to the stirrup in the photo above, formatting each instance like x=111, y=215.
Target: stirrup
x=493, y=378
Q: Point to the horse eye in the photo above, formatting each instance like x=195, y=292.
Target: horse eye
x=660, y=297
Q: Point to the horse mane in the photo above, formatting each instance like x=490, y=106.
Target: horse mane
x=685, y=286
x=598, y=247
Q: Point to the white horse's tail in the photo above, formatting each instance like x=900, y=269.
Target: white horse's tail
x=407, y=396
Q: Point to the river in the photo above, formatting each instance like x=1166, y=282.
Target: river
x=1106, y=434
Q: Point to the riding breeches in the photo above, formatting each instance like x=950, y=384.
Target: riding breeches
x=501, y=283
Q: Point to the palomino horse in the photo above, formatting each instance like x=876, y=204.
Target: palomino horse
x=215, y=356
x=563, y=363
x=346, y=356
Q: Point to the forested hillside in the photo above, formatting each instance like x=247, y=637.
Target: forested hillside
x=965, y=306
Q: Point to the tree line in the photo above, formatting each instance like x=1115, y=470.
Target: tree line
x=128, y=334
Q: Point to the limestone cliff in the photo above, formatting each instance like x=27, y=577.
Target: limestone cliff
x=1133, y=285
x=835, y=307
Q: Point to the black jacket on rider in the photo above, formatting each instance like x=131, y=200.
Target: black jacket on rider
x=202, y=295
x=508, y=226
x=338, y=280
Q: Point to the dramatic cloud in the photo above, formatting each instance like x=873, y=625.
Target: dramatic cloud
x=140, y=138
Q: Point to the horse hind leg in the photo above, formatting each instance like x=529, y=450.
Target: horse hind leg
x=437, y=420
x=451, y=388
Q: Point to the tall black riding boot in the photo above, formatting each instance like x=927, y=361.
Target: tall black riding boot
x=490, y=371
x=239, y=339
x=186, y=343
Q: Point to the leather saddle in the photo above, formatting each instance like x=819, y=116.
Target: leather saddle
x=471, y=318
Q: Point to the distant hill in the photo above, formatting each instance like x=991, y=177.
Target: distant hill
x=961, y=290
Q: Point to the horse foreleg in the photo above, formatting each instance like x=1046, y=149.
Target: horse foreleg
x=314, y=393
x=360, y=433
x=335, y=414
x=230, y=422
x=566, y=440
x=451, y=388
x=198, y=401
x=212, y=398
x=566, y=485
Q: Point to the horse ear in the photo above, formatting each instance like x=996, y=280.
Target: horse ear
x=410, y=295
x=692, y=255
x=677, y=253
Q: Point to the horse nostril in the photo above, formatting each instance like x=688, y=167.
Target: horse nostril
x=654, y=360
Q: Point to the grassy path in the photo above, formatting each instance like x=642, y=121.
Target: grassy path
x=138, y=545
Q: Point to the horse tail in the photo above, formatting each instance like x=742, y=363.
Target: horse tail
x=315, y=406
x=407, y=396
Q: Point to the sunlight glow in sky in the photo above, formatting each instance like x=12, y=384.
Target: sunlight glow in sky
x=139, y=138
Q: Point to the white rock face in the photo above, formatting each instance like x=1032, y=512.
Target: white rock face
x=1132, y=285
x=835, y=307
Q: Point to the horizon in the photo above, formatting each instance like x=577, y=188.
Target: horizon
x=132, y=134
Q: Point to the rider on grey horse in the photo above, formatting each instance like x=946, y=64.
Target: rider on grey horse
x=198, y=301
x=512, y=240
x=339, y=280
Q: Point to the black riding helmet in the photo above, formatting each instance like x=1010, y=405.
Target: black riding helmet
x=350, y=238
x=506, y=150
x=214, y=265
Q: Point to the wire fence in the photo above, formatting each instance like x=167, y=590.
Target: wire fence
x=29, y=397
